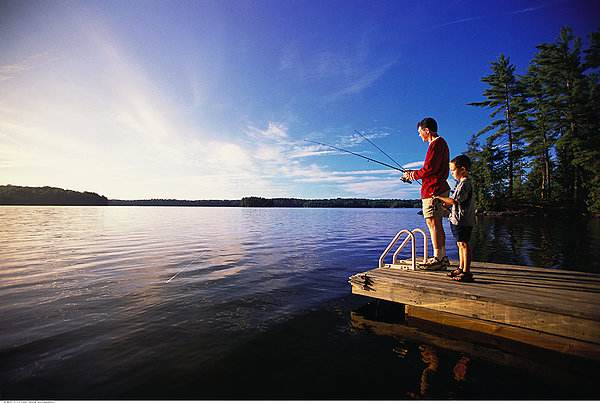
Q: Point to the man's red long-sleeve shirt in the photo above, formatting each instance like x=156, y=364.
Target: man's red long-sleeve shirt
x=435, y=169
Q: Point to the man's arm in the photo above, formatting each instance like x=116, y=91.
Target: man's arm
x=428, y=166
x=427, y=169
x=433, y=160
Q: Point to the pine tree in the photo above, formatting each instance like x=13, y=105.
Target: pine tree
x=566, y=93
x=591, y=65
x=538, y=132
x=504, y=96
x=488, y=173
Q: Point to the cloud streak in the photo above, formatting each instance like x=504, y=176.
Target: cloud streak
x=11, y=71
x=360, y=84
x=481, y=17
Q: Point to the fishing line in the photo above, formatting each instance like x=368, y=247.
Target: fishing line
x=376, y=146
x=185, y=267
x=362, y=156
x=358, y=155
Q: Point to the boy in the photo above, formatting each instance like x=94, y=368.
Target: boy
x=434, y=174
x=462, y=216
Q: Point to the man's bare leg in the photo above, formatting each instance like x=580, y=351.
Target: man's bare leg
x=438, y=236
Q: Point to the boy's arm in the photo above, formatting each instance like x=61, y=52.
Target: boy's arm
x=445, y=200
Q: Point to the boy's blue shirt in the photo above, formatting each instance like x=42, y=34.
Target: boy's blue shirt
x=463, y=212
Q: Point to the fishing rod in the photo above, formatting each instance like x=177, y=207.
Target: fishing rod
x=386, y=154
x=377, y=147
x=362, y=156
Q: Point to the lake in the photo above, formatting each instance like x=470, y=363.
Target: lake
x=236, y=303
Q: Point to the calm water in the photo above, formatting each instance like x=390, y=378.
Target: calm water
x=198, y=303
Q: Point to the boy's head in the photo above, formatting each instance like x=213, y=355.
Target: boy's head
x=460, y=166
x=427, y=128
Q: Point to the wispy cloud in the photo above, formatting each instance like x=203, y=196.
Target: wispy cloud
x=361, y=83
x=285, y=157
x=10, y=71
x=412, y=165
x=459, y=21
x=310, y=151
x=530, y=9
x=355, y=139
x=351, y=69
x=481, y=17
x=274, y=130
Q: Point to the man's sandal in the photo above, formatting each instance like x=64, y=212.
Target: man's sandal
x=455, y=272
x=464, y=277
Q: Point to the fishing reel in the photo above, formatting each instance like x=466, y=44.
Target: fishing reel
x=403, y=179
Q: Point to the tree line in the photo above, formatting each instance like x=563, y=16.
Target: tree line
x=48, y=196
x=175, y=202
x=52, y=196
x=343, y=203
x=542, y=144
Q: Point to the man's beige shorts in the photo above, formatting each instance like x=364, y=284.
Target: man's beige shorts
x=435, y=208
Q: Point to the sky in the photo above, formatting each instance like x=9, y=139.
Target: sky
x=215, y=99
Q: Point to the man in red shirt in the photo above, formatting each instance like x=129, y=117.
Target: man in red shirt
x=433, y=174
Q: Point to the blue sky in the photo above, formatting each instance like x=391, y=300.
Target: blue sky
x=213, y=99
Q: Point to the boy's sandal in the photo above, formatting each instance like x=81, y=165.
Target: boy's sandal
x=454, y=273
x=464, y=277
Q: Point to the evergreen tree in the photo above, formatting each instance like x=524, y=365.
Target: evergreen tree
x=591, y=65
x=488, y=173
x=592, y=54
x=505, y=97
x=538, y=133
x=559, y=69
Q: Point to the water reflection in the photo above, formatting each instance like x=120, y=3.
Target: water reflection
x=566, y=242
x=454, y=363
x=434, y=382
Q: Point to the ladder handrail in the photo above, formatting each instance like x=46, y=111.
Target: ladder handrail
x=424, y=242
x=410, y=236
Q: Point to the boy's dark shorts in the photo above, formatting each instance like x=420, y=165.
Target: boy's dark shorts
x=462, y=233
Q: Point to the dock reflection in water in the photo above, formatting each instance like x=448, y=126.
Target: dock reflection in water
x=458, y=364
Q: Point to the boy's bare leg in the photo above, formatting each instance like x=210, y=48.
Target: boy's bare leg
x=464, y=253
x=442, y=236
x=467, y=256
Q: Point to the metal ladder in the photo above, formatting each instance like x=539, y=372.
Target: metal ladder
x=410, y=264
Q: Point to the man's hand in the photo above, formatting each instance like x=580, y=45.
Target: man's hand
x=407, y=176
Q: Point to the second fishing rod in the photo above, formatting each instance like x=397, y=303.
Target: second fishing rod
x=398, y=167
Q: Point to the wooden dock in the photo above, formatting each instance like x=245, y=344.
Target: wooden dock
x=553, y=309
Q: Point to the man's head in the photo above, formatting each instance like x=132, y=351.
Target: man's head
x=427, y=129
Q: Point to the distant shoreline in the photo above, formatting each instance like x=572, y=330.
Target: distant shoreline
x=51, y=196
